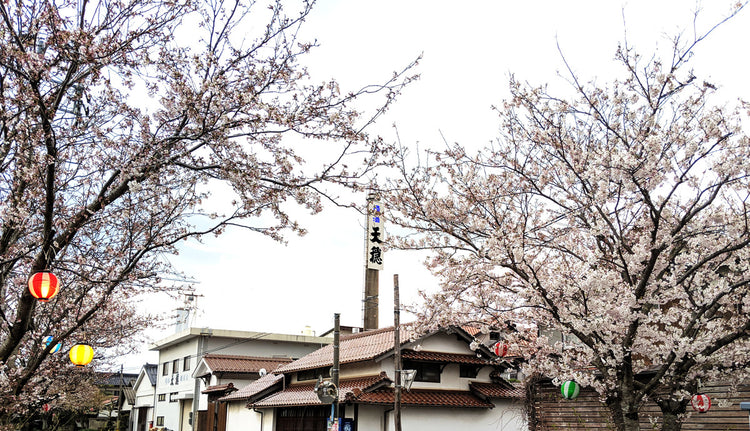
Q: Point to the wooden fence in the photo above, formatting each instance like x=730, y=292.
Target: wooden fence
x=549, y=411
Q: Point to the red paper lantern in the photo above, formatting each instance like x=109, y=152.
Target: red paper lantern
x=43, y=285
x=701, y=403
x=500, y=349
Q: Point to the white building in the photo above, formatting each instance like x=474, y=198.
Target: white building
x=142, y=412
x=179, y=383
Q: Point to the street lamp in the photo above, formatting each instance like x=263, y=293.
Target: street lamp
x=407, y=378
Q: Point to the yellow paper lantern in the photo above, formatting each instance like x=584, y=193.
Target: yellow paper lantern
x=81, y=354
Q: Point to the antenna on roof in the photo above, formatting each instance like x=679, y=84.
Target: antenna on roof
x=186, y=314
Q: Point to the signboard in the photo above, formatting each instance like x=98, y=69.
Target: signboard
x=347, y=424
x=375, y=235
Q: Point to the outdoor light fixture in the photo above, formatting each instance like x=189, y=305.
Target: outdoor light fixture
x=43, y=285
x=407, y=378
x=81, y=354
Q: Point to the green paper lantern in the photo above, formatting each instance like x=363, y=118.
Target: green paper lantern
x=570, y=390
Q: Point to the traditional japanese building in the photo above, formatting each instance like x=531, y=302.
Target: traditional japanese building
x=455, y=387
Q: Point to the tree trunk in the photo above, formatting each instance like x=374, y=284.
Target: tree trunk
x=671, y=422
x=624, y=414
x=671, y=412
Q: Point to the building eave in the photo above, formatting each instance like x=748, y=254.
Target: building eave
x=192, y=333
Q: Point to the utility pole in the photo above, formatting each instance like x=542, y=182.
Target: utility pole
x=335, y=368
x=202, y=347
x=396, y=356
x=119, y=397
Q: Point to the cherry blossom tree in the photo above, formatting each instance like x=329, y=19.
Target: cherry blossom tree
x=618, y=217
x=117, y=120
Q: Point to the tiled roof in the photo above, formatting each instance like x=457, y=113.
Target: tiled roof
x=453, y=358
x=304, y=395
x=129, y=394
x=425, y=398
x=352, y=348
x=242, y=364
x=115, y=379
x=495, y=390
x=150, y=370
x=254, y=388
x=219, y=388
x=471, y=330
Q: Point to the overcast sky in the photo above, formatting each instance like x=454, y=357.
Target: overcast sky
x=469, y=50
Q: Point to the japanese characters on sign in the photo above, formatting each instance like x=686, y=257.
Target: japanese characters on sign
x=375, y=235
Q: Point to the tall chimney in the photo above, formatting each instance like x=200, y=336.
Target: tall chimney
x=375, y=235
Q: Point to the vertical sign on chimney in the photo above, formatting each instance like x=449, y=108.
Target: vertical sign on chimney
x=375, y=235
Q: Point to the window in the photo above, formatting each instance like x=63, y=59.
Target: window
x=162, y=397
x=173, y=397
x=175, y=366
x=313, y=374
x=186, y=363
x=160, y=421
x=426, y=372
x=165, y=369
x=469, y=371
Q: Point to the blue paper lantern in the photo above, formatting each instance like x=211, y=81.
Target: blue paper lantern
x=48, y=339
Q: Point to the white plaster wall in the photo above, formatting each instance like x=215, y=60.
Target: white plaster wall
x=269, y=420
x=360, y=369
x=504, y=417
x=445, y=343
x=241, y=418
x=370, y=418
x=145, y=399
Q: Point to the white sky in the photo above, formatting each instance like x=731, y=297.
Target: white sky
x=470, y=48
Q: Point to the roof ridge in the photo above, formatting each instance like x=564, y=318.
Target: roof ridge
x=246, y=357
x=344, y=380
x=366, y=333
